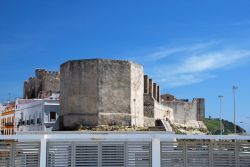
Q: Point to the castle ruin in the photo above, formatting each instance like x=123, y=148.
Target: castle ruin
x=97, y=92
x=42, y=85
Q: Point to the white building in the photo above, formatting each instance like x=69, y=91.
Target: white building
x=37, y=115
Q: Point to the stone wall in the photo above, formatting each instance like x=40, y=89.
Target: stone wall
x=137, y=86
x=200, y=109
x=42, y=85
x=153, y=108
x=152, y=88
x=186, y=113
x=101, y=92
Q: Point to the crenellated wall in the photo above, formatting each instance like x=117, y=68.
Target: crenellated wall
x=111, y=92
x=153, y=108
x=42, y=85
x=150, y=87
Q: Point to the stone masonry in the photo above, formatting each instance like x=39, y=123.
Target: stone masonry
x=42, y=85
x=101, y=92
x=111, y=92
x=189, y=114
x=153, y=108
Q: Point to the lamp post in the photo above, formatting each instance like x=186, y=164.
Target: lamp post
x=220, y=97
x=234, y=92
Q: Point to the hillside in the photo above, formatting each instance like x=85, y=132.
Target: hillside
x=213, y=126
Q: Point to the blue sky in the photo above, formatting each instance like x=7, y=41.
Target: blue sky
x=192, y=48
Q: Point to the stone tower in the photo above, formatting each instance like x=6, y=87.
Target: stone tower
x=101, y=92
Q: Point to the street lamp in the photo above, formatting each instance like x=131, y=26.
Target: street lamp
x=234, y=91
x=220, y=97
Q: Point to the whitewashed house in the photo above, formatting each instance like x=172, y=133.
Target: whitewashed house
x=37, y=115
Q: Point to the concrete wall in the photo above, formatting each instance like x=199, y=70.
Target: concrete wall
x=101, y=92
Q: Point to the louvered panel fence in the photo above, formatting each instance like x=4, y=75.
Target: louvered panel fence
x=19, y=154
x=26, y=154
x=101, y=154
x=224, y=154
x=172, y=154
x=205, y=154
x=5, y=154
x=59, y=154
x=244, y=154
x=86, y=154
x=197, y=154
x=124, y=150
x=113, y=154
x=139, y=154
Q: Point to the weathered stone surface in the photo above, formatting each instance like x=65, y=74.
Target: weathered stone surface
x=186, y=113
x=146, y=84
x=42, y=85
x=101, y=92
x=154, y=110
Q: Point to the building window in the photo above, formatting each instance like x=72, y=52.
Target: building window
x=38, y=121
x=52, y=116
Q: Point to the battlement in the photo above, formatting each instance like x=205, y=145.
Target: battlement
x=42, y=85
x=152, y=88
x=41, y=73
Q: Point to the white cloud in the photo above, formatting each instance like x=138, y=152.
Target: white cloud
x=209, y=61
x=194, y=64
x=183, y=79
x=166, y=52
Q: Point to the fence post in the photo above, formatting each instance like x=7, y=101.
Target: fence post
x=211, y=154
x=156, y=152
x=236, y=152
x=185, y=153
x=43, y=151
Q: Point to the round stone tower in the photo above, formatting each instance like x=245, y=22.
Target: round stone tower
x=101, y=92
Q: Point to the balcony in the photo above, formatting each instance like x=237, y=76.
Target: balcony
x=9, y=124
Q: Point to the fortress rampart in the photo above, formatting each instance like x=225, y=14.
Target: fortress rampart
x=42, y=85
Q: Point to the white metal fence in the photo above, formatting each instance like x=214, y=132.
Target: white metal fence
x=117, y=149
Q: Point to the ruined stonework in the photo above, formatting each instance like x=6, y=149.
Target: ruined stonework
x=112, y=92
x=189, y=114
x=200, y=109
x=101, y=92
x=42, y=85
x=153, y=109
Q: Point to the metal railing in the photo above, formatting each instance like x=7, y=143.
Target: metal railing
x=119, y=149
